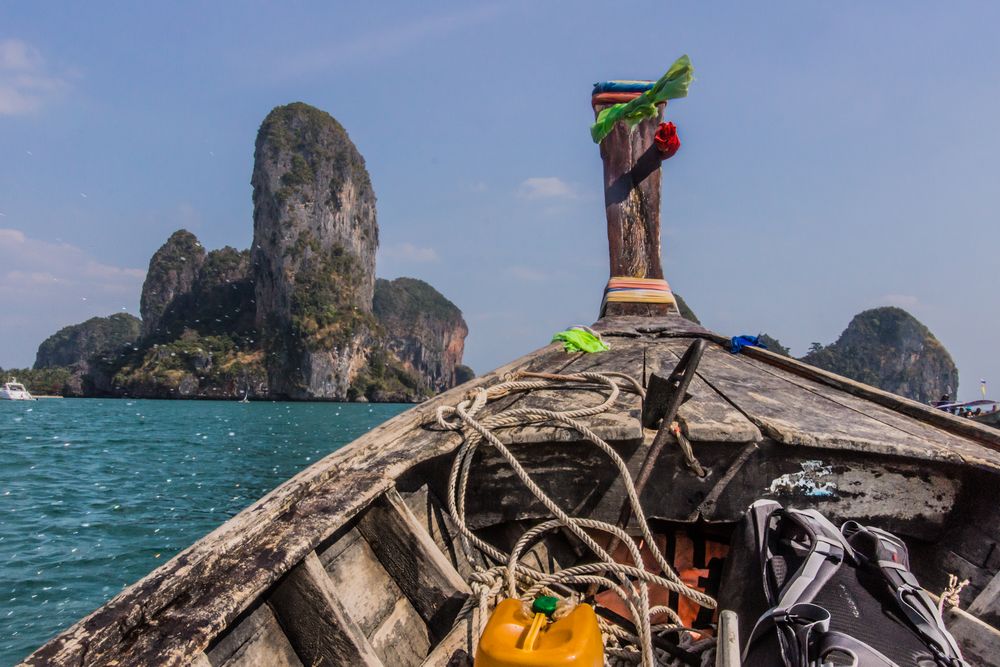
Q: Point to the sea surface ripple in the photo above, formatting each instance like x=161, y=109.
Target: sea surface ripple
x=95, y=493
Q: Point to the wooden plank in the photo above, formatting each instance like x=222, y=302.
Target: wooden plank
x=646, y=327
x=366, y=590
x=706, y=416
x=315, y=622
x=727, y=651
x=402, y=639
x=256, y=640
x=793, y=415
x=986, y=605
x=433, y=516
x=674, y=326
x=979, y=642
x=413, y=560
x=619, y=424
x=967, y=428
x=374, y=601
x=458, y=647
x=968, y=451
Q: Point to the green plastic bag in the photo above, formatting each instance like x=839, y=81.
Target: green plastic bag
x=672, y=85
x=580, y=340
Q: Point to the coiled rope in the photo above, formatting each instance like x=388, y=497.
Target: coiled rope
x=630, y=582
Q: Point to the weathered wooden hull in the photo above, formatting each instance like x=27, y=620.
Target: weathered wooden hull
x=989, y=419
x=355, y=561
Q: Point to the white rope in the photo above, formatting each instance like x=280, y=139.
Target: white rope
x=630, y=582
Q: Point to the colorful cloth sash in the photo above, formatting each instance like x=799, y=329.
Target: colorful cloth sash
x=637, y=290
x=612, y=98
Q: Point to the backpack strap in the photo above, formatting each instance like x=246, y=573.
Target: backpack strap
x=888, y=555
x=792, y=614
x=862, y=655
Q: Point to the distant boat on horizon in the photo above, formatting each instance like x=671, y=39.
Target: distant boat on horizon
x=985, y=411
x=15, y=391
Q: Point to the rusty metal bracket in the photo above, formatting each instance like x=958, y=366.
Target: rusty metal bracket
x=664, y=396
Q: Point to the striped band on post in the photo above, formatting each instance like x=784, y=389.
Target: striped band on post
x=637, y=290
x=605, y=99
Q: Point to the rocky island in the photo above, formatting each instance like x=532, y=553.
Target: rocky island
x=885, y=347
x=300, y=316
x=890, y=349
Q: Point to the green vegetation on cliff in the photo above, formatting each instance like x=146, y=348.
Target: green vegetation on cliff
x=410, y=298
x=774, y=345
x=422, y=329
x=172, y=271
x=314, y=139
x=686, y=311
x=220, y=300
x=97, y=336
x=324, y=312
x=39, y=381
x=463, y=374
x=384, y=379
x=889, y=348
x=193, y=365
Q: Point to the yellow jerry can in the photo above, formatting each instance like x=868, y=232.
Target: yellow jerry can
x=514, y=638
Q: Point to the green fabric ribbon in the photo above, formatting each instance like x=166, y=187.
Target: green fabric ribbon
x=578, y=340
x=672, y=85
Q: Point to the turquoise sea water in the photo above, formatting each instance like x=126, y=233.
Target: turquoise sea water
x=94, y=494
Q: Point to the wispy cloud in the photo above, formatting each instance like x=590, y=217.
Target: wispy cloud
x=545, y=187
x=26, y=81
x=900, y=300
x=409, y=252
x=28, y=264
x=385, y=42
x=46, y=285
x=526, y=274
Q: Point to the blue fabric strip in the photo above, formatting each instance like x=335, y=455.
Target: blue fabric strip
x=622, y=86
x=737, y=343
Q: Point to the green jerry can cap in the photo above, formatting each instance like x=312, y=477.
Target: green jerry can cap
x=545, y=604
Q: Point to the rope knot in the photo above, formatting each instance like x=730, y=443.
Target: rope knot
x=951, y=596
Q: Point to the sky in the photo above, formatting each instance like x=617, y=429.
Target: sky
x=835, y=156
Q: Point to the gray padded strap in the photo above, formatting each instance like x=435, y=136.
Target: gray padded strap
x=863, y=654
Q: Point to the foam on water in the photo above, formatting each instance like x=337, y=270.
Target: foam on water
x=94, y=494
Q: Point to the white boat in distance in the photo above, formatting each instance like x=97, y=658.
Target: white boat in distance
x=15, y=391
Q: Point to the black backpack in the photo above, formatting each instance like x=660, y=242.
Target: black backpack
x=809, y=595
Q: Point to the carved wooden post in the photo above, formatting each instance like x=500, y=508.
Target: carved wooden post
x=632, y=204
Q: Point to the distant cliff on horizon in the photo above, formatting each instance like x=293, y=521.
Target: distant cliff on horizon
x=299, y=316
x=887, y=348
x=890, y=349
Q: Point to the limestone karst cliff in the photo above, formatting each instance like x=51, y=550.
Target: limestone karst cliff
x=220, y=299
x=292, y=317
x=423, y=329
x=889, y=348
x=78, y=343
x=313, y=257
x=172, y=270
